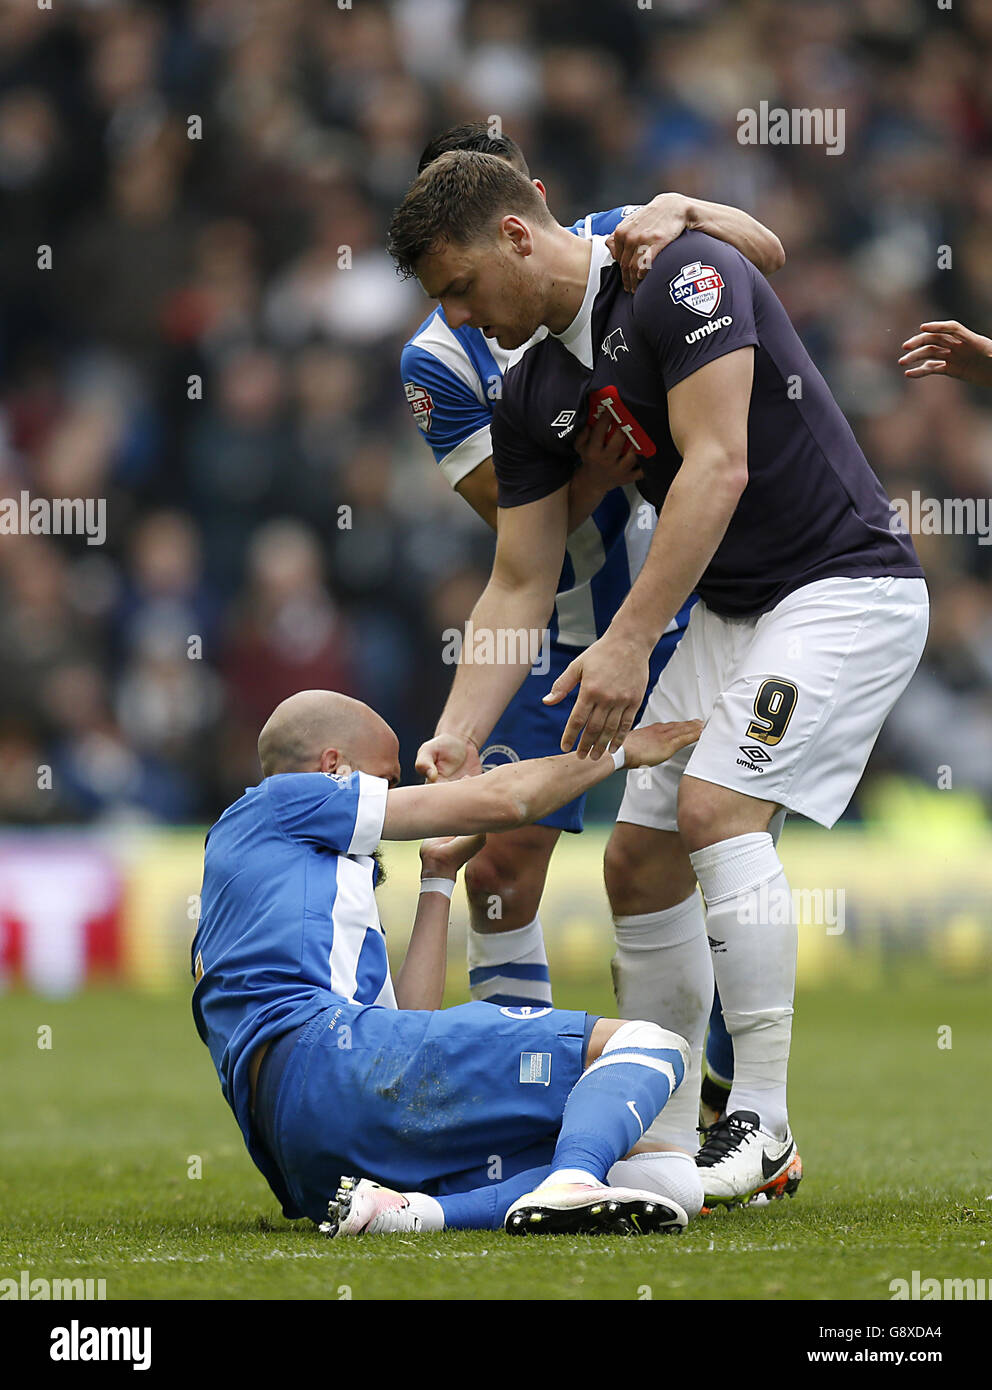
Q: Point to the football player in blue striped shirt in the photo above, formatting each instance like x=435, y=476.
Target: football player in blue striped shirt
x=353, y=1092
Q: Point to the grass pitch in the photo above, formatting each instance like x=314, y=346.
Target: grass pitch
x=104, y=1133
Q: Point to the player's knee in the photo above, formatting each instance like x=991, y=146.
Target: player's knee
x=642, y=1034
x=646, y=870
x=639, y=1039
x=709, y=814
x=506, y=884
x=483, y=879
x=698, y=814
x=621, y=863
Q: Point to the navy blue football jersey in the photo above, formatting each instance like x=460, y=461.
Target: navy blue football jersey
x=812, y=507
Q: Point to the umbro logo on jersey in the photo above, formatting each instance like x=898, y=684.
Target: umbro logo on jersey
x=613, y=344
x=713, y=326
x=563, y=422
x=697, y=287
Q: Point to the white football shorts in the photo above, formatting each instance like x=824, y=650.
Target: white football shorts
x=794, y=698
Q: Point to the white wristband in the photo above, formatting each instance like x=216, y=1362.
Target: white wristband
x=619, y=758
x=438, y=885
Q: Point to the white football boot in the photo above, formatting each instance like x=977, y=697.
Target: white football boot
x=739, y=1160
x=578, y=1209
x=365, y=1208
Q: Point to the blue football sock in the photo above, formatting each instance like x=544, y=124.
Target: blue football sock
x=484, y=1208
x=719, y=1044
x=509, y=967
x=617, y=1098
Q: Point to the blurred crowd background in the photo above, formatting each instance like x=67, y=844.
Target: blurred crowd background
x=284, y=525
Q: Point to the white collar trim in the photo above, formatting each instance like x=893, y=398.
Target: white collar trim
x=577, y=337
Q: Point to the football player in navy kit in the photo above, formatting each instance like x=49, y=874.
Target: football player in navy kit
x=813, y=609
x=451, y=379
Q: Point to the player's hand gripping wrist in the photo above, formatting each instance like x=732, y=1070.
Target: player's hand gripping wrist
x=443, y=856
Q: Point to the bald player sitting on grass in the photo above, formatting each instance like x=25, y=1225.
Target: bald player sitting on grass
x=371, y=1109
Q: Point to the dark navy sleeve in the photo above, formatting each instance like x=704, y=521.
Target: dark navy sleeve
x=524, y=471
x=696, y=304
x=344, y=813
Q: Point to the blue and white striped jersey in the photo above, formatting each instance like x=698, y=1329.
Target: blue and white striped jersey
x=451, y=378
x=288, y=918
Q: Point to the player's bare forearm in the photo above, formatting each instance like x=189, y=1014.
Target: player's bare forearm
x=510, y=618
x=506, y=798
x=707, y=415
x=518, y=793
x=737, y=228
x=420, y=982
x=483, y=688
x=648, y=230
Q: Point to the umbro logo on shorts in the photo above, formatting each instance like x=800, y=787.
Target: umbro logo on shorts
x=754, y=756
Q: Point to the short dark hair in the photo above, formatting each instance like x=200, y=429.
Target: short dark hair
x=474, y=135
x=458, y=197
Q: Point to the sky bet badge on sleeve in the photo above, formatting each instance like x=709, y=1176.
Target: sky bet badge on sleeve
x=697, y=287
x=421, y=404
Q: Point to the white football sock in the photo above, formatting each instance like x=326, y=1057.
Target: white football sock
x=752, y=929
x=672, y=1175
x=525, y=979
x=662, y=972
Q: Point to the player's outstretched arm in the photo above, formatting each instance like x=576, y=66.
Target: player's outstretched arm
x=518, y=793
x=947, y=348
x=641, y=235
x=505, y=625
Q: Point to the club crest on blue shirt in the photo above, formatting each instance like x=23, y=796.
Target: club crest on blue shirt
x=523, y=1011
x=697, y=287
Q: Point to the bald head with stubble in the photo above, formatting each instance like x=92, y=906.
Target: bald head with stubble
x=324, y=731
